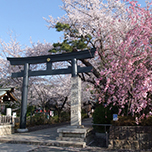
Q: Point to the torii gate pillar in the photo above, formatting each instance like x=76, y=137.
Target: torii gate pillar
x=24, y=99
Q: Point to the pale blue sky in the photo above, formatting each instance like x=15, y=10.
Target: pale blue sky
x=25, y=19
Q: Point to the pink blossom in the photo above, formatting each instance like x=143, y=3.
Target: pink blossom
x=137, y=122
x=119, y=111
x=150, y=113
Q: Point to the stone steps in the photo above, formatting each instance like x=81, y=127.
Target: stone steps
x=72, y=133
x=70, y=139
x=45, y=143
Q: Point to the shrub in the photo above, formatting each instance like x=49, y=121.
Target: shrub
x=125, y=121
x=37, y=119
x=130, y=121
x=103, y=115
x=65, y=116
x=146, y=121
x=54, y=119
x=84, y=114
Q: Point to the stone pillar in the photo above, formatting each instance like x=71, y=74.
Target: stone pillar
x=8, y=112
x=75, y=134
x=75, y=101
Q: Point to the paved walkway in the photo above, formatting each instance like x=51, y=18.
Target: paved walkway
x=41, y=137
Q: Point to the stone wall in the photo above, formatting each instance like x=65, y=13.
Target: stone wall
x=6, y=129
x=130, y=137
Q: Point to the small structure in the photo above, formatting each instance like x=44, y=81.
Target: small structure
x=6, y=121
x=6, y=95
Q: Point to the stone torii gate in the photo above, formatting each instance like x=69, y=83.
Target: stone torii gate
x=74, y=69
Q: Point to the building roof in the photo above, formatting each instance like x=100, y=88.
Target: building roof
x=6, y=94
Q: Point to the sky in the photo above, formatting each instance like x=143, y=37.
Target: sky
x=24, y=19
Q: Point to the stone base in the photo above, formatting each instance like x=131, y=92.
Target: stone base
x=76, y=134
x=6, y=129
x=22, y=130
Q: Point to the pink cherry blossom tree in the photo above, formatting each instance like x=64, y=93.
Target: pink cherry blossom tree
x=128, y=70
x=93, y=20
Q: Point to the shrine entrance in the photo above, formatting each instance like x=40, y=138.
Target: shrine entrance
x=74, y=69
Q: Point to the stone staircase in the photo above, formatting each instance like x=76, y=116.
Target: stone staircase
x=83, y=136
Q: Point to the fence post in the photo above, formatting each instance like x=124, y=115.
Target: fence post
x=107, y=139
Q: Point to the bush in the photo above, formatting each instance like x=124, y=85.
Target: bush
x=54, y=119
x=146, y=121
x=30, y=110
x=103, y=115
x=125, y=121
x=37, y=119
x=84, y=114
x=130, y=121
x=65, y=116
x=43, y=119
x=17, y=125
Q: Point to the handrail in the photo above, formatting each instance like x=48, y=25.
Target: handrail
x=91, y=124
x=102, y=124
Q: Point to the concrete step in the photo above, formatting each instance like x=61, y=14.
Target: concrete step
x=46, y=143
x=70, y=139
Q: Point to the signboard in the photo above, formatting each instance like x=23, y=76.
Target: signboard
x=115, y=117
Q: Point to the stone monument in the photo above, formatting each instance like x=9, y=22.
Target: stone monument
x=75, y=101
x=76, y=133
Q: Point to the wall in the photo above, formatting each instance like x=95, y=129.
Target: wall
x=6, y=129
x=130, y=137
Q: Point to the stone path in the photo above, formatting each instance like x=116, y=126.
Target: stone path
x=39, y=137
x=5, y=147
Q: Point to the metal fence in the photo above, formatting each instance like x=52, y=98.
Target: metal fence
x=101, y=131
x=105, y=131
